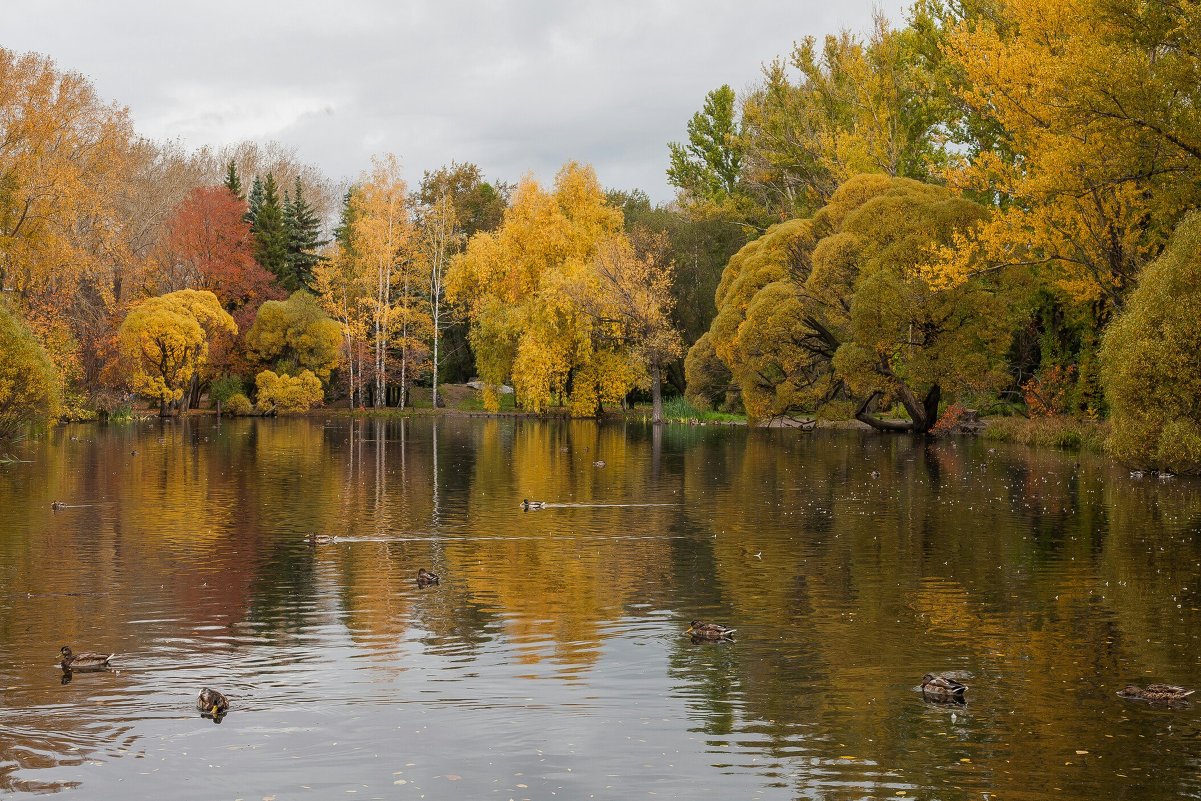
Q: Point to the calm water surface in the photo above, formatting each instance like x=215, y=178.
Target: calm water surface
x=551, y=661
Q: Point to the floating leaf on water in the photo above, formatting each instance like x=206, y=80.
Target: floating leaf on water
x=1081, y=753
x=453, y=777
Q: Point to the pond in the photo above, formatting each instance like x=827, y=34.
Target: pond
x=551, y=660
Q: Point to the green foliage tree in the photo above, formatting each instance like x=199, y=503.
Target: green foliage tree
x=254, y=201
x=271, y=233
x=1151, y=367
x=708, y=167
x=294, y=335
x=232, y=181
x=30, y=387
x=304, y=240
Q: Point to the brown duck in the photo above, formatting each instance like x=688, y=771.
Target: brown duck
x=426, y=578
x=709, y=631
x=941, y=688
x=212, y=703
x=82, y=661
x=1155, y=692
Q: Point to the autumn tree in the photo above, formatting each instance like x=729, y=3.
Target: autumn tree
x=845, y=105
x=477, y=205
x=295, y=335
x=1100, y=156
x=523, y=288
x=627, y=292
x=1150, y=363
x=837, y=307
x=164, y=342
x=208, y=245
x=286, y=394
x=440, y=239
x=30, y=387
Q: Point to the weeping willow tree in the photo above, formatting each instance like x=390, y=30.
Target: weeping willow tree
x=1150, y=365
x=837, y=307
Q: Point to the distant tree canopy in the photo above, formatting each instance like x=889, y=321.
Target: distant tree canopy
x=1151, y=363
x=836, y=307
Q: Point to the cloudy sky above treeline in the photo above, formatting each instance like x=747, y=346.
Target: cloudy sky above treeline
x=515, y=87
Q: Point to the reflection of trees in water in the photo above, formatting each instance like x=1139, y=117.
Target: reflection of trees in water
x=1046, y=579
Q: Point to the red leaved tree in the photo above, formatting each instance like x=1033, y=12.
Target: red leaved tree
x=209, y=246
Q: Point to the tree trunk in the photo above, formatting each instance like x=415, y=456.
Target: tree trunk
x=656, y=392
x=924, y=413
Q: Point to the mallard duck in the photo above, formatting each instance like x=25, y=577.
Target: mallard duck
x=212, y=703
x=426, y=578
x=319, y=539
x=57, y=506
x=1156, y=692
x=875, y=474
x=84, y=661
x=942, y=688
x=599, y=463
x=709, y=631
x=527, y=504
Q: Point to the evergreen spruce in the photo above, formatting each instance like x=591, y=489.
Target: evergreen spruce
x=271, y=233
x=304, y=237
x=255, y=200
x=232, y=182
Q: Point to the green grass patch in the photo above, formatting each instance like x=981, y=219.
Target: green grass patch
x=678, y=409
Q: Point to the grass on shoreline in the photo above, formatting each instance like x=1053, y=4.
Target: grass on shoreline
x=1055, y=432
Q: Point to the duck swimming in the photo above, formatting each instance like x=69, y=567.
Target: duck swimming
x=426, y=578
x=82, y=661
x=527, y=504
x=58, y=506
x=212, y=703
x=319, y=539
x=941, y=688
x=1155, y=692
x=709, y=631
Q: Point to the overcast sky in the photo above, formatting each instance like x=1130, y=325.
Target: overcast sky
x=512, y=86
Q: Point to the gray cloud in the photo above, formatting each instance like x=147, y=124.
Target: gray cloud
x=513, y=86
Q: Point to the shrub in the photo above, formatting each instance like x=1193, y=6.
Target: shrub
x=224, y=388
x=287, y=393
x=238, y=405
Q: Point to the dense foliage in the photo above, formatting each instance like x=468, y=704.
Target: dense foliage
x=1151, y=364
x=953, y=208
x=29, y=388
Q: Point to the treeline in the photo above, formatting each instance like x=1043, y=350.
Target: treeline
x=965, y=211
x=961, y=211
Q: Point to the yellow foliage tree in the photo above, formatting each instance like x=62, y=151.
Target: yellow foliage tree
x=1101, y=112
x=522, y=288
x=287, y=393
x=30, y=388
x=164, y=342
x=295, y=334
